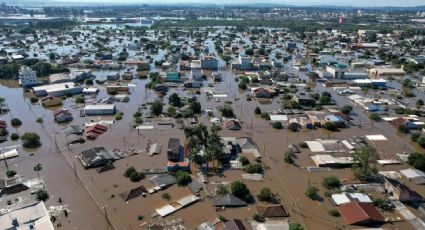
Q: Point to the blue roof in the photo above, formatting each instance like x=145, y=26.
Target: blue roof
x=334, y=118
x=373, y=108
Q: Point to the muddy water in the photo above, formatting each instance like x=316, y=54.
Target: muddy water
x=59, y=178
x=286, y=180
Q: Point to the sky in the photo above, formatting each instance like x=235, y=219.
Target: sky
x=357, y=3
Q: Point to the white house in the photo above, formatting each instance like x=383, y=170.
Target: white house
x=27, y=77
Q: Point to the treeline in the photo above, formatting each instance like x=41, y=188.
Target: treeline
x=11, y=70
x=291, y=24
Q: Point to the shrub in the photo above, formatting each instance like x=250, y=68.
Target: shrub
x=330, y=126
x=265, y=115
x=129, y=171
x=295, y=226
x=266, y=195
x=258, y=218
x=119, y=116
x=257, y=111
x=39, y=120
x=10, y=173
x=331, y=182
x=421, y=141
x=253, y=168
x=277, y=125
x=240, y=190
x=375, y=117
x=166, y=196
x=288, y=158
x=293, y=127
x=33, y=100
x=303, y=145
x=15, y=122
x=14, y=136
x=222, y=190
x=140, y=217
x=417, y=160
x=42, y=195
x=244, y=160
x=382, y=204
x=31, y=140
x=346, y=109
x=242, y=86
x=415, y=136
x=183, y=178
x=137, y=176
x=334, y=212
x=311, y=192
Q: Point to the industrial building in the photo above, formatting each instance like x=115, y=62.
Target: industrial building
x=101, y=109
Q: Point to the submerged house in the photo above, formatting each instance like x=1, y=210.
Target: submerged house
x=402, y=192
x=173, y=150
x=62, y=115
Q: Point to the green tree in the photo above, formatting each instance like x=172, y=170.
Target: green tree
x=222, y=190
x=37, y=168
x=365, y=158
x=16, y=122
x=156, y=108
x=331, y=182
x=277, y=125
x=293, y=126
x=30, y=140
x=195, y=106
x=244, y=160
x=346, y=109
x=240, y=190
x=311, y=192
x=375, y=117
x=295, y=226
x=257, y=111
x=417, y=160
x=330, y=126
x=174, y=100
x=266, y=195
x=42, y=195
x=183, y=178
x=227, y=111
x=419, y=103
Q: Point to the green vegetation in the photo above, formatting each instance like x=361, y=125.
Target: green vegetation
x=10, y=173
x=257, y=111
x=253, y=168
x=289, y=157
x=240, y=190
x=346, y=109
x=174, y=100
x=166, y=196
x=295, y=226
x=375, y=117
x=156, y=108
x=366, y=158
x=227, y=111
x=417, y=160
x=30, y=140
x=258, y=218
x=277, y=125
x=222, y=190
x=331, y=182
x=244, y=160
x=330, y=126
x=133, y=175
x=333, y=212
x=14, y=136
x=293, y=127
x=266, y=195
x=42, y=195
x=119, y=116
x=16, y=122
x=382, y=204
x=311, y=192
x=183, y=178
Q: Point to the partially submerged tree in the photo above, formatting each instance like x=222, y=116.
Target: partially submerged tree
x=366, y=158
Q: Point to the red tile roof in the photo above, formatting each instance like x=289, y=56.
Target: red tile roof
x=360, y=213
